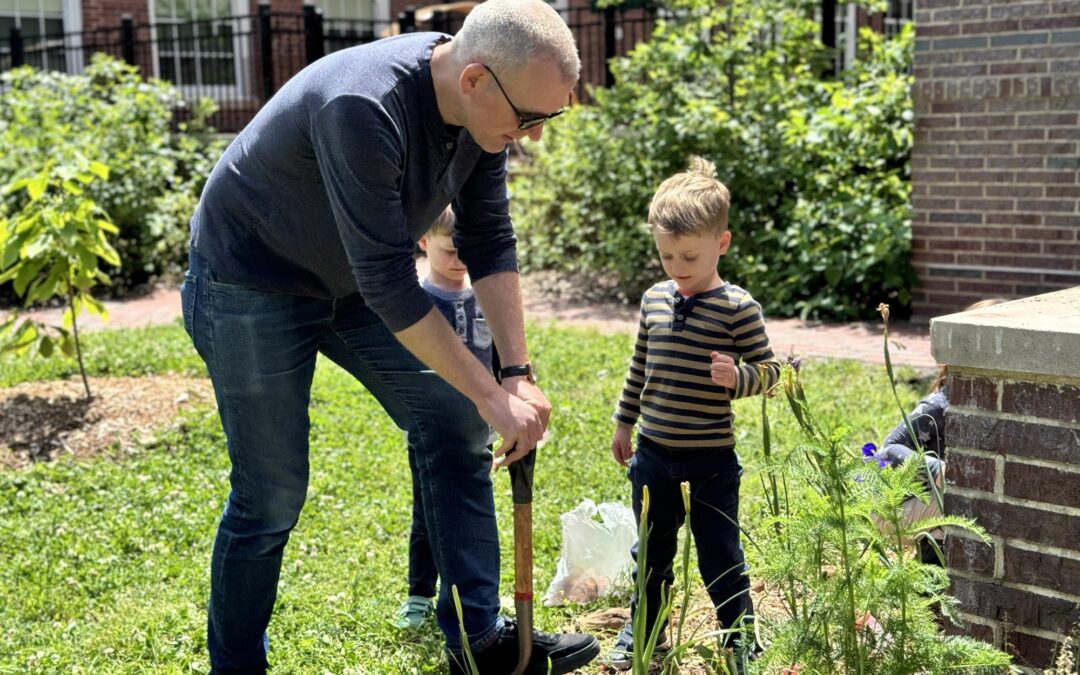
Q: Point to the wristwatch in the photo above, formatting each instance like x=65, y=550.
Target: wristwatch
x=525, y=370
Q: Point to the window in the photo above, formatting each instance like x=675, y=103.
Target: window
x=899, y=13
x=196, y=42
x=356, y=10
x=348, y=22
x=41, y=27
x=849, y=18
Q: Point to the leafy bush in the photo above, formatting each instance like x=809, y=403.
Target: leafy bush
x=818, y=167
x=109, y=114
x=51, y=249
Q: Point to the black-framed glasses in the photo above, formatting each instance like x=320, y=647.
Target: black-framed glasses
x=525, y=120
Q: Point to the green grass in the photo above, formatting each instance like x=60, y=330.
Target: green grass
x=103, y=563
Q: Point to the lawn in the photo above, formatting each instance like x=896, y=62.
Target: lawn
x=103, y=563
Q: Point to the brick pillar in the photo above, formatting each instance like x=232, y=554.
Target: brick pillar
x=1013, y=458
x=996, y=158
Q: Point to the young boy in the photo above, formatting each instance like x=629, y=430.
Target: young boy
x=695, y=329
x=448, y=285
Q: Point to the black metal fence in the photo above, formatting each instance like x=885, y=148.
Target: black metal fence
x=240, y=61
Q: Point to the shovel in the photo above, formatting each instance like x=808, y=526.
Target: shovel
x=521, y=482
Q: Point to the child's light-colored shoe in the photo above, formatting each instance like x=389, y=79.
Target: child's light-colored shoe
x=622, y=656
x=413, y=612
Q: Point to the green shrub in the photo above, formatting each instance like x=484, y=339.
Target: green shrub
x=109, y=114
x=855, y=598
x=818, y=167
x=52, y=249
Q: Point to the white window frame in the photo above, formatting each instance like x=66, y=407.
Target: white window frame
x=39, y=16
x=241, y=90
x=73, y=25
x=374, y=4
x=382, y=11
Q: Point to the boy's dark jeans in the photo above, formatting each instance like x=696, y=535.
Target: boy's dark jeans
x=423, y=574
x=714, y=515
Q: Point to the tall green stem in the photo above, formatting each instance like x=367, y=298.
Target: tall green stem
x=934, y=491
x=78, y=344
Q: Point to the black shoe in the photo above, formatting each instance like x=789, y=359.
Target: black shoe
x=622, y=656
x=567, y=651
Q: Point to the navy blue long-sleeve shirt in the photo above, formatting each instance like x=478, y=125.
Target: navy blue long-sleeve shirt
x=327, y=190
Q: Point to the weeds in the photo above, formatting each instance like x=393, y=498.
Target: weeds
x=856, y=599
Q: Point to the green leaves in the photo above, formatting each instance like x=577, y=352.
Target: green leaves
x=837, y=548
x=116, y=129
x=51, y=249
x=818, y=168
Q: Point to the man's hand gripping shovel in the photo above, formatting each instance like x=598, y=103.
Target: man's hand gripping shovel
x=521, y=484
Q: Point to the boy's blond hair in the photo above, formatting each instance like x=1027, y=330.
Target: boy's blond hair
x=443, y=225
x=691, y=203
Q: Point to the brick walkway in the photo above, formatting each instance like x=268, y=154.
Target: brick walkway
x=862, y=341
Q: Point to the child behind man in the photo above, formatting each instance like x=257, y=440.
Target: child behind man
x=448, y=285
x=695, y=329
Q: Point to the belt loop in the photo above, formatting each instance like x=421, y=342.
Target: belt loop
x=196, y=264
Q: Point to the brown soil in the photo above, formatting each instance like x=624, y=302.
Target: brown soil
x=41, y=421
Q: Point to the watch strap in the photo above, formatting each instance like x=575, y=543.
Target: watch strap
x=525, y=370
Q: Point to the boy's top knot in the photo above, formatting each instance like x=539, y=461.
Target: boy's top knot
x=703, y=166
x=693, y=202
x=444, y=224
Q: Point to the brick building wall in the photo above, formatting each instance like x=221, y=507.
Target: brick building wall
x=996, y=159
x=98, y=14
x=1013, y=457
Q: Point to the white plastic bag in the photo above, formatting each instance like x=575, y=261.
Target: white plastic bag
x=595, y=559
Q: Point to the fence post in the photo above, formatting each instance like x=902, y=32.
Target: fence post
x=407, y=20
x=18, y=54
x=439, y=21
x=314, y=43
x=127, y=39
x=609, y=45
x=828, y=33
x=267, y=48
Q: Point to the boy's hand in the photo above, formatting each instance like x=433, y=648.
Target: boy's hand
x=722, y=370
x=620, y=445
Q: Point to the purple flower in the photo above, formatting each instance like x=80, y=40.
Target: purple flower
x=869, y=449
x=883, y=464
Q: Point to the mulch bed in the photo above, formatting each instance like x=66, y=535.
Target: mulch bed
x=41, y=421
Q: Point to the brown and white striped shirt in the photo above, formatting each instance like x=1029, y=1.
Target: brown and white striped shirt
x=669, y=389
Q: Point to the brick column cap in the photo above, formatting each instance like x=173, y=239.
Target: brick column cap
x=1040, y=334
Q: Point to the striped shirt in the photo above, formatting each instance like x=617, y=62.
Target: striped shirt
x=669, y=388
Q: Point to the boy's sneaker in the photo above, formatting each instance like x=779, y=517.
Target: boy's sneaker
x=413, y=612
x=622, y=656
x=567, y=651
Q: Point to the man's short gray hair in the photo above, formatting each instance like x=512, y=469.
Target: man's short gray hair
x=505, y=35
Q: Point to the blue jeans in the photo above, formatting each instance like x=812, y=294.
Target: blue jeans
x=423, y=574
x=260, y=349
x=714, y=513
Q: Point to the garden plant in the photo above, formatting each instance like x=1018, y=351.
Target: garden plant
x=818, y=164
x=54, y=247
x=110, y=115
